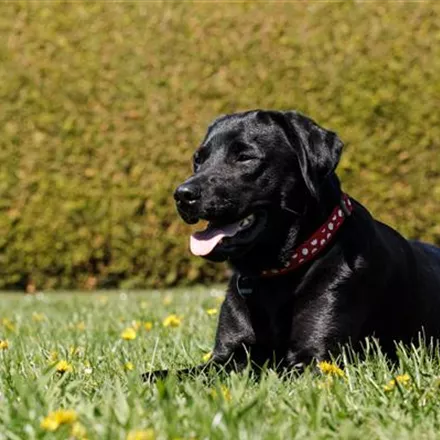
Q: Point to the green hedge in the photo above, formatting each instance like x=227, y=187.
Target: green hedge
x=103, y=103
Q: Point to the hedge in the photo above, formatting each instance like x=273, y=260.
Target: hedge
x=102, y=104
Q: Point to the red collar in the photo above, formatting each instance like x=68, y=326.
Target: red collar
x=318, y=241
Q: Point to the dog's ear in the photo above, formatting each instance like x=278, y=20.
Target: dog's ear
x=318, y=149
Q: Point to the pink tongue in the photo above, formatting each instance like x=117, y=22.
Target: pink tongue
x=203, y=242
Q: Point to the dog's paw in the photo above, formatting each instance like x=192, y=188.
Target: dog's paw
x=204, y=369
x=153, y=376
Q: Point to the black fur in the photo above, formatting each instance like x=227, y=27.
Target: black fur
x=369, y=281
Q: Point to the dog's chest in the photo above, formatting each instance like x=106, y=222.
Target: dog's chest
x=271, y=318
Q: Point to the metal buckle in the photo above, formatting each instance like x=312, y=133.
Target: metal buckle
x=344, y=208
x=243, y=291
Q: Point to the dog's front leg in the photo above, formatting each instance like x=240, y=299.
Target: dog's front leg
x=312, y=344
x=153, y=376
x=296, y=361
x=235, y=334
x=233, y=340
x=209, y=367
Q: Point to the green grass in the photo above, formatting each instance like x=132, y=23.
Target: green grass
x=111, y=402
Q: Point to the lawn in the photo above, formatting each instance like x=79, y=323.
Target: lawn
x=73, y=352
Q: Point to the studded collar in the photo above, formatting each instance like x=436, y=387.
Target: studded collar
x=306, y=251
x=318, y=241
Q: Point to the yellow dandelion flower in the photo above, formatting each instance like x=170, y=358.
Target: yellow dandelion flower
x=38, y=317
x=49, y=424
x=148, y=434
x=390, y=385
x=65, y=416
x=4, y=345
x=64, y=367
x=129, y=366
x=330, y=368
x=136, y=325
x=148, y=326
x=224, y=392
x=59, y=417
x=78, y=431
x=207, y=356
x=167, y=300
x=128, y=334
x=172, y=321
x=81, y=326
x=8, y=324
x=212, y=311
x=402, y=379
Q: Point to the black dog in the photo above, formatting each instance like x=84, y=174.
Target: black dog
x=311, y=268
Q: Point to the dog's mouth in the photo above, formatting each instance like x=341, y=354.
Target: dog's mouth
x=229, y=235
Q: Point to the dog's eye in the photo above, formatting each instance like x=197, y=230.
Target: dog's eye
x=197, y=160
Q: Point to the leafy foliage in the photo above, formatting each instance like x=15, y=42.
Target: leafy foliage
x=103, y=103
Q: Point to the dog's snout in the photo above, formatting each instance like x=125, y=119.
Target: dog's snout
x=187, y=193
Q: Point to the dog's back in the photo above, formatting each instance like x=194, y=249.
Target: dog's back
x=407, y=301
x=427, y=269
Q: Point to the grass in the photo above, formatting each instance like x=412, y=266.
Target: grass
x=101, y=384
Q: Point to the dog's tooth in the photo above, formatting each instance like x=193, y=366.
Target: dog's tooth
x=247, y=221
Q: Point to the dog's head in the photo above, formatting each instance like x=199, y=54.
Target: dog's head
x=251, y=170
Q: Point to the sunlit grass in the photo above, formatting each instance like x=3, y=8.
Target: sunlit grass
x=72, y=375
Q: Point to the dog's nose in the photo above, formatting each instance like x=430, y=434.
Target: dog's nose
x=187, y=193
